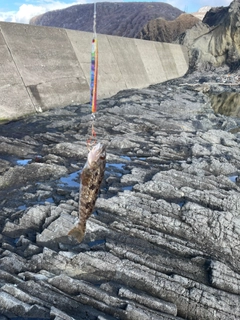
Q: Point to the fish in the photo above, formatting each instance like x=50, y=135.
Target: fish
x=90, y=181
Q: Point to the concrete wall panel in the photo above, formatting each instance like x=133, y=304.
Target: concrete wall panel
x=150, y=58
x=110, y=79
x=44, y=67
x=129, y=62
x=167, y=59
x=45, y=59
x=14, y=99
x=180, y=56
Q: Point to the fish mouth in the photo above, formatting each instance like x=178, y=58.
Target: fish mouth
x=98, y=152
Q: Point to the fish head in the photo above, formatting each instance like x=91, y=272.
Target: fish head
x=97, y=154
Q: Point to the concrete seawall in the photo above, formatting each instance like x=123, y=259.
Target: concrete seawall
x=43, y=68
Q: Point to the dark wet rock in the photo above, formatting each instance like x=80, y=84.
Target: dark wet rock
x=31, y=220
x=163, y=241
x=11, y=306
x=58, y=314
x=34, y=171
x=12, y=263
x=56, y=232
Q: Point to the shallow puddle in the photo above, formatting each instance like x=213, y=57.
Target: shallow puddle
x=126, y=158
x=127, y=188
x=181, y=203
x=72, y=180
x=23, y=162
x=115, y=169
x=23, y=207
x=50, y=200
x=118, y=166
x=96, y=242
x=233, y=178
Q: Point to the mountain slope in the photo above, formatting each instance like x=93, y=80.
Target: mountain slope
x=167, y=31
x=115, y=18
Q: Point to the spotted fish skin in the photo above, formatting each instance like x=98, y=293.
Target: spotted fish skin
x=91, y=178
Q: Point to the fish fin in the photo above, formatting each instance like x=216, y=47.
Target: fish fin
x=77, y=232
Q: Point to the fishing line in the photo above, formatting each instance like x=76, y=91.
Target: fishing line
x=93, y=79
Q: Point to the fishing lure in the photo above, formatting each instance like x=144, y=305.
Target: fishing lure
x=94, y=75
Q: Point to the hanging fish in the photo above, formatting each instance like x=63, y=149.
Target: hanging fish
x=91, y=178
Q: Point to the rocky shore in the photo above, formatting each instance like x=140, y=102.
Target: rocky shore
x=163, y=242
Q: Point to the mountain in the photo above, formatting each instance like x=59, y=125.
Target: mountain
x=114, y=18
x=215, y=41
x=167, y=31
x=200, y=14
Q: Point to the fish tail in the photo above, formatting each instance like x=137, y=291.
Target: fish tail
x=78, y=232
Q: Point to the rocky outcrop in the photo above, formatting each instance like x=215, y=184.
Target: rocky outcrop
x=215, y=16
x=217, y=44
x=167, y=31
x=163, y=242
x=114, y=18
x=188, y=37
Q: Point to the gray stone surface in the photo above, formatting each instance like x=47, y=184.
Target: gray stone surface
x=163, y=241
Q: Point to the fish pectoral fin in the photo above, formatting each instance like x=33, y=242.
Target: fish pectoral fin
x=77, y=232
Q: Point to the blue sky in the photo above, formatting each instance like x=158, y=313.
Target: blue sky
x=23, y=10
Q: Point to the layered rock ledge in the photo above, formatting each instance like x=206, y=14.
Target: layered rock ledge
x=163, y=242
